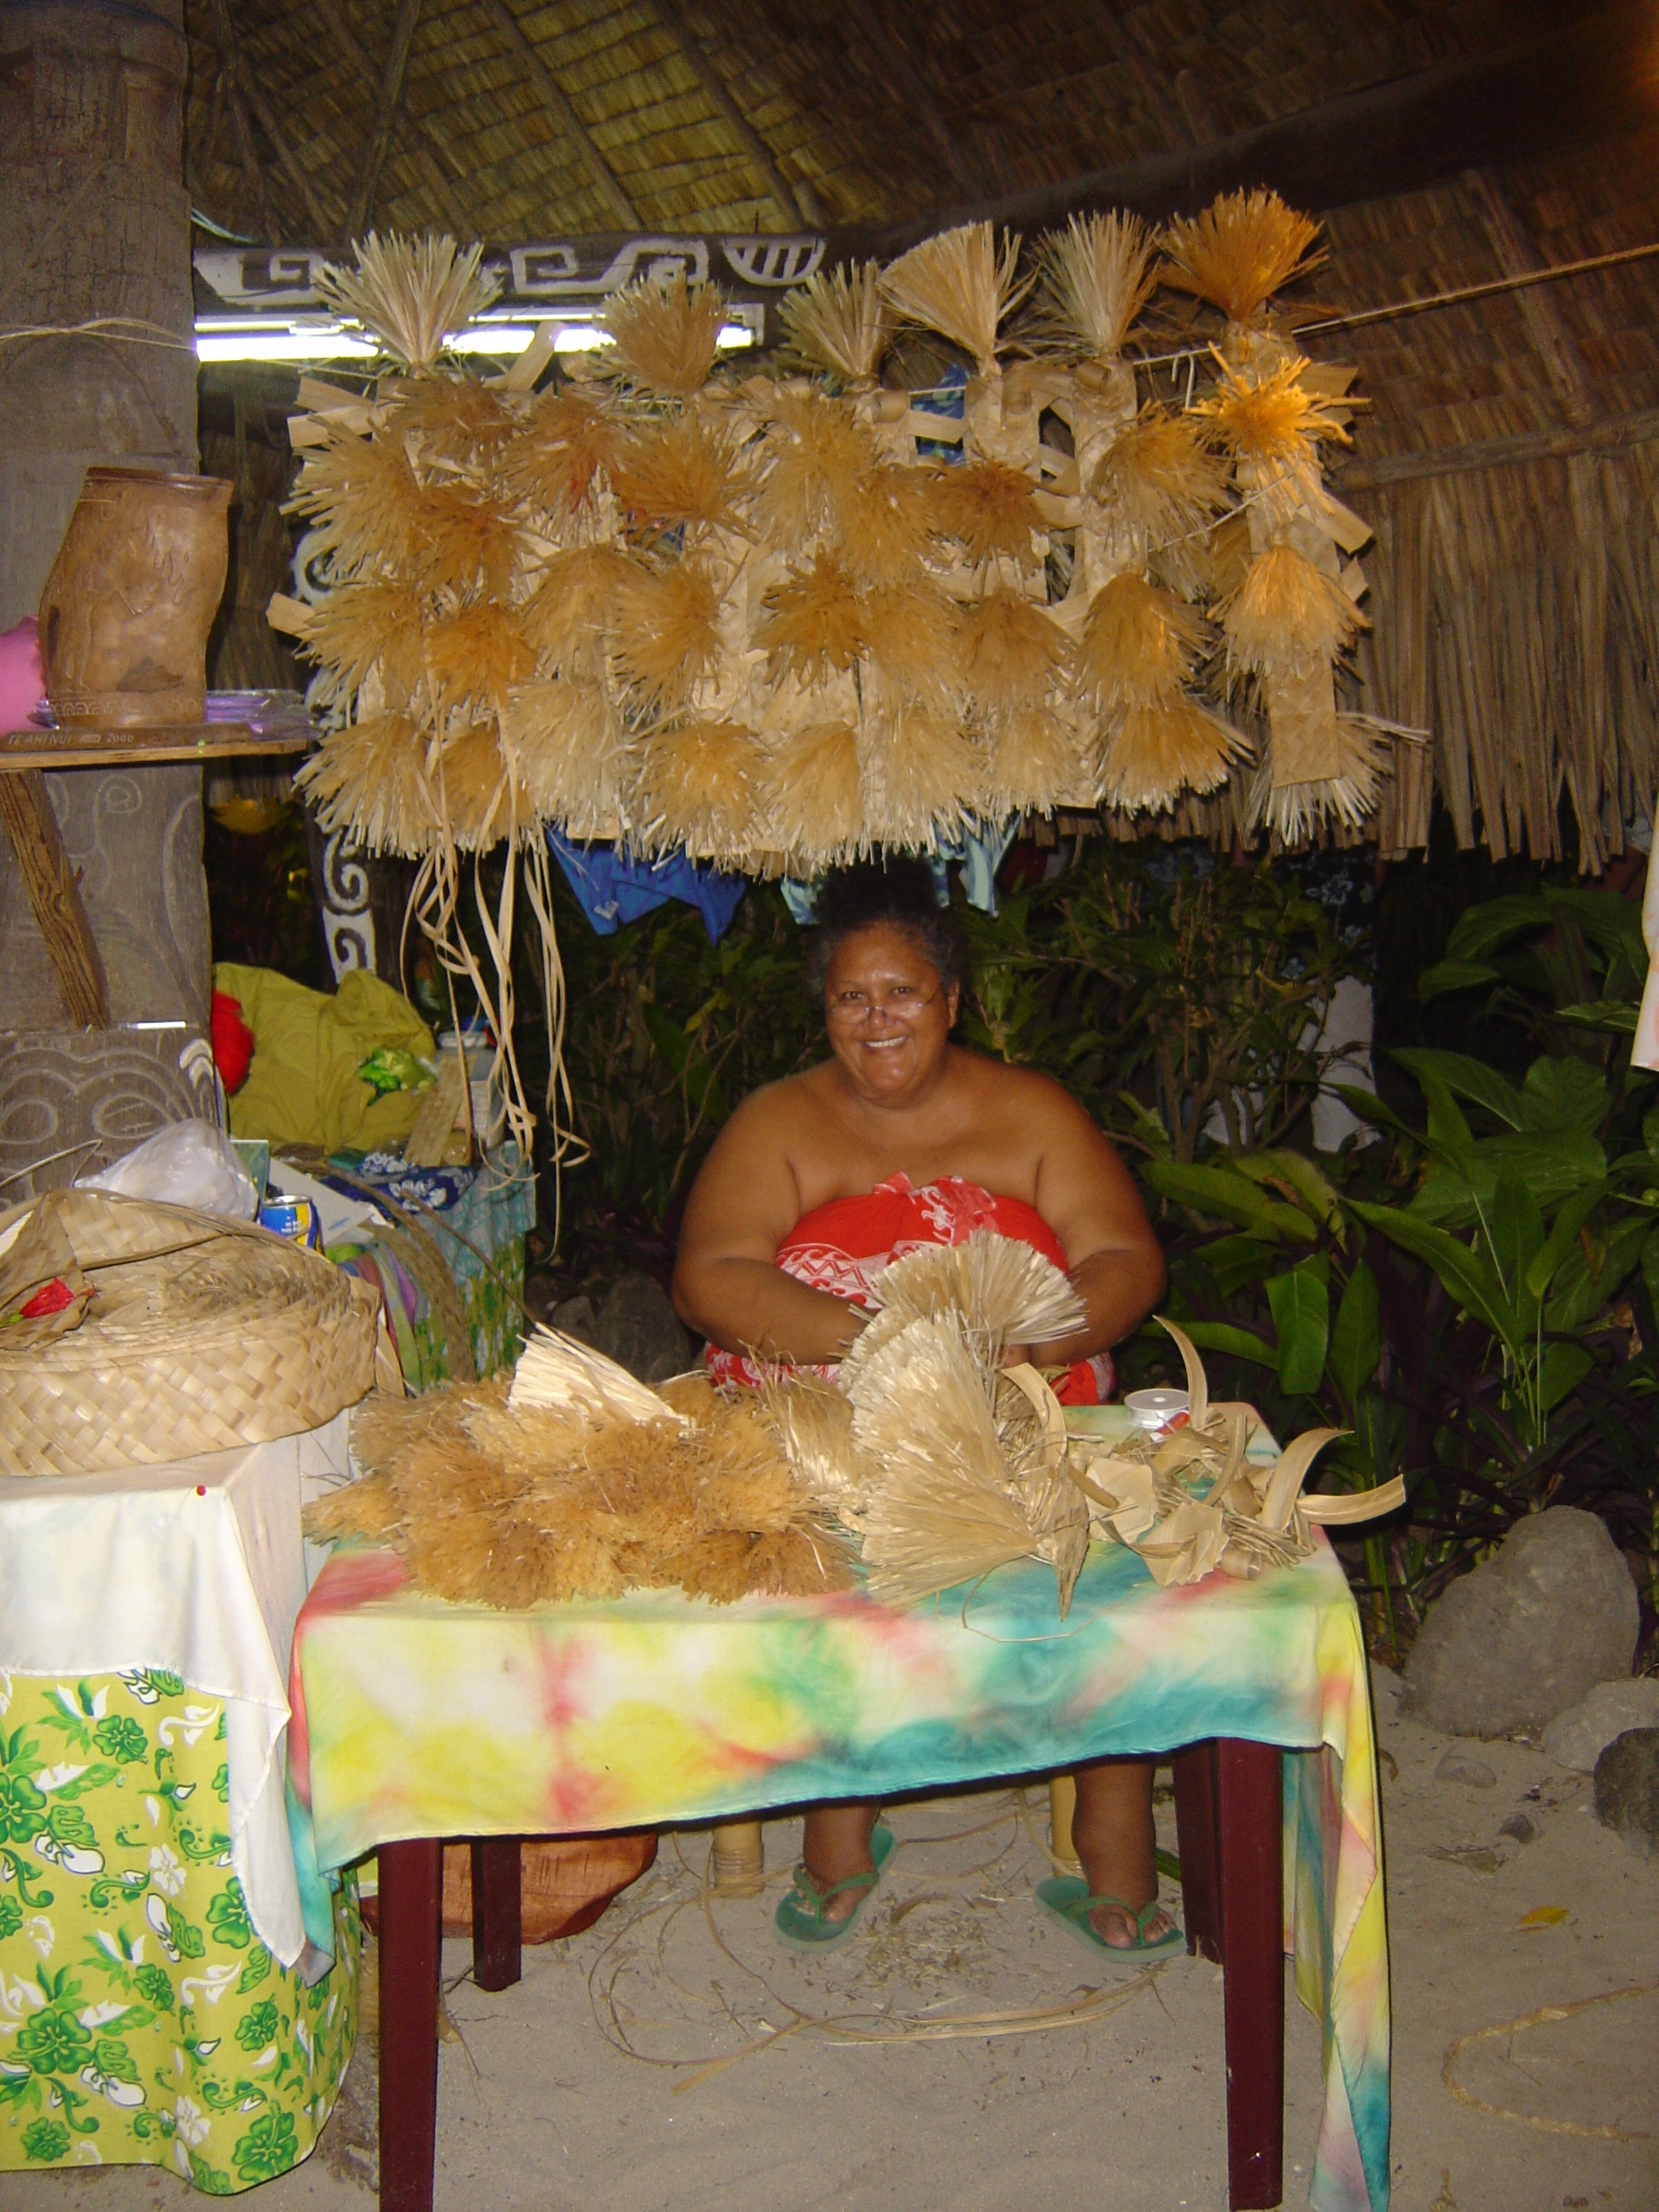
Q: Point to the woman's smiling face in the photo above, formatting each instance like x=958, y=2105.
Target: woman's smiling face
x=889, y=1013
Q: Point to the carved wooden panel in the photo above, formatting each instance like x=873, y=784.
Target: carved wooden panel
x=72, y=1100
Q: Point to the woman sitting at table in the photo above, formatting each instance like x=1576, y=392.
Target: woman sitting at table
x=902, y=1139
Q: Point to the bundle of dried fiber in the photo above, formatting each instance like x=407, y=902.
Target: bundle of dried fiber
x=1286, y=615
x=996, y=1291
x=1138, y=645
x=371, y=777
x=665, y=337
x=813, y=1423
x=468, y=776
x=409, y=292
x=463, y=539
x=1095, y=277
x=814, y=803
x=1034, y=763
x=959, y=285
x=1160, y=749
x=1295, y=812
x=475, y=655
x=883, y=522
x=680, y=474
x=559, y=1370
x=1011, y=652
x=919, y=774
x=1274, y=424
x=453, y=419
x=837, y=320
x=911, y=636
x=991, y=510
x=570, y=753
x=371, y=624
x=665, y=629
x=566, y=614
x=699, y=787
x=360, y=496
x=1245, y=246
x=815, y=623
x=816, y=452
x=1159, y=478
x=563, y=453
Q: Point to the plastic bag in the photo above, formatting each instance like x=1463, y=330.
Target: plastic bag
x=187, y=1163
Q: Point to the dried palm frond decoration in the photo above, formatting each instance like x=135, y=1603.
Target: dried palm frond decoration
x=1244, y=247
x=412, y=293
x=1287, y=615
x=814, y=803
x=1159, y=750
x=837, y=320
x=997, y=1290
x=960, y=285
x=665, y=335
x=1095, y=277
x=582, y=1483
x=699, y=790
x=1159, y=477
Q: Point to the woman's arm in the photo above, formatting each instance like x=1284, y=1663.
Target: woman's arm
x=726, y=1282
x=1088, y=1198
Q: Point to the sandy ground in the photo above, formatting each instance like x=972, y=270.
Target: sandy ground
x=675, y=2057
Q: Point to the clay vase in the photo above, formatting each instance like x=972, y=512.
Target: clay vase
x=126, y=611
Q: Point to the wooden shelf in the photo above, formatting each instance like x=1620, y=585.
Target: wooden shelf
x=204, y=741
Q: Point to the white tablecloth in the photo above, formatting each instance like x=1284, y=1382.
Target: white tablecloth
x=196, y=1568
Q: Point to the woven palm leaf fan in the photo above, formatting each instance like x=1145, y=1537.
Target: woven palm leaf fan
x=412, y=293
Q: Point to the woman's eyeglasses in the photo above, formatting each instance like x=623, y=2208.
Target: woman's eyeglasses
x=850, y=1009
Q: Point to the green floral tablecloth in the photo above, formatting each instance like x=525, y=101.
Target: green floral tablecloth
x=141, y=2020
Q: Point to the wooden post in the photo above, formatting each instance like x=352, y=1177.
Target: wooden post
x=54, y=893
x=497, y=1868
x=386, y=115
x=411, y=1892
x=1250, y=1799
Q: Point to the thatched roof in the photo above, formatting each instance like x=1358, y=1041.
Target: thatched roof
x=1510, y=460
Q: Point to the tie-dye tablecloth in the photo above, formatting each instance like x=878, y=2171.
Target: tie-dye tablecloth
x=415, y=1718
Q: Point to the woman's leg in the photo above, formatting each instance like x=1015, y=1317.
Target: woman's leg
x=1112, y=1835
x=836, y=1844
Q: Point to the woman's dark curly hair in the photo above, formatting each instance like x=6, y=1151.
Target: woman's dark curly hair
x=898, y=893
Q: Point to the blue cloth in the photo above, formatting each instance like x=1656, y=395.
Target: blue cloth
x=977, y=852
x=612, y=889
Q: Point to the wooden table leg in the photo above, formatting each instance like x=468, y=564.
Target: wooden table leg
x=411, y=1893
x=1197, y=1842
x=497, y=1962
x=1251, y=1836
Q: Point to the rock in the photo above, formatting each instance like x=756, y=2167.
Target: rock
x=637, y=1327
x=1528, y=1633
x=1577, y=1737
x=1627, y=1788
x=1520, y=1826
x=1473, y=1773
x=1386, y=1688
x=575, y=1317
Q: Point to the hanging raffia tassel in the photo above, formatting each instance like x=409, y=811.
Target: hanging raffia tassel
x=568, y=614
x=910, y=637
x=1285, y=617
x=960, y=285
x=700, y=786
x=1011, y=652
x=683, y=475
x=837, y=320
x=1035, y=762
x=919, y=774
x=884, y=523
x=814, y=624
x=1138, y=646
x=453, y=420
x=360, y=494
x=1159, y=485
x=813, y=805
x=815, y=456
x=468, y=774
x=1244, y=247
x=665, y=634
x=1349, y=753
x=571, y=753
x=1274, y=424
x=476, y=655
x=371, y=778
x=1094, y=278
x=370, y=626
x=412, y=293
x=562, y=458
x=665, y=336
x=1158, y=750
x=991, y=510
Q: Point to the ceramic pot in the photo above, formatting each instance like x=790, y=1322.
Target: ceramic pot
x=126, y=611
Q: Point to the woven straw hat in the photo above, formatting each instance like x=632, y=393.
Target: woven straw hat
x=199, y=1335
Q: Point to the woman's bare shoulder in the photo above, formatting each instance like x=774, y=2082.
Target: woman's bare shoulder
x=776, y=1108
x=1022, y=1089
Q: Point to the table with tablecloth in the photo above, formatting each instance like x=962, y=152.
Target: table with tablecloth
x=414, y=1718
x=159, y=2001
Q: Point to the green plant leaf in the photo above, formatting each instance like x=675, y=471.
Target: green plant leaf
x=1563, y=1238
x=1564, y=1367
x=1300, y=1176
x=1650, y=1266
x=1617, y=1016
x=1222, y=1336
x=1357, y=1337
x=1467, y=1079
x=1454, y=975
x=1224, y=1195
x=1482, y=929
x=1514, y=1231
x=1467, y=1277
x=1563, y=1094
x=1583, y=1285
x=1301, y=1305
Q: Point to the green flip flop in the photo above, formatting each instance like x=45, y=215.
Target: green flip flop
x=800, y=1917
x=1067, y=1899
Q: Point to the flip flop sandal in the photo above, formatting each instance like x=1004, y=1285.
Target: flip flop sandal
x=1066, y=1899
x=799, y=1917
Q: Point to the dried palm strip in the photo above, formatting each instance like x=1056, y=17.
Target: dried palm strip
x=555, y=1369
x=411, y=293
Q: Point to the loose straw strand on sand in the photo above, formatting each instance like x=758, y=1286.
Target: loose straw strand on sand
x=1544, y=2014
